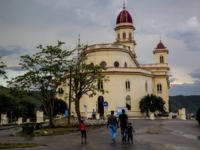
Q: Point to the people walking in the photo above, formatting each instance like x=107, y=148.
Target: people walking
x=112, y=125
x=123, y=121
x=94, y=114
x=83, y=131
x=130, y=132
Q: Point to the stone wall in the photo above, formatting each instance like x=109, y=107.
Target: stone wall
x=63, y=122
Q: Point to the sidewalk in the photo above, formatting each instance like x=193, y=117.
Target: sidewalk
x=151, y=135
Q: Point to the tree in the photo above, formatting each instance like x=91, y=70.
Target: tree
x=45, y=73
x=2, y=67
x=152, y=103
x=19, y=108
x=59, y=107
x=85, y=78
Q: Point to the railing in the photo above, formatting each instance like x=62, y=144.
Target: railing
x=108, y=46
x=154, y=65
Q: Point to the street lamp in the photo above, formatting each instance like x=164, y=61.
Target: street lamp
x=11, y=117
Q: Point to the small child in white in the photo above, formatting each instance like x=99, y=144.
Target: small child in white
x=129, y=132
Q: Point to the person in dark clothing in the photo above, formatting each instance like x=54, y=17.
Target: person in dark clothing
x=123, y=121
x=112, y=125
x=198, y=116
x=130, y=132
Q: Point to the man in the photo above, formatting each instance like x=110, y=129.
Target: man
x=112, y=125
x=94, y=114
x=123, y=120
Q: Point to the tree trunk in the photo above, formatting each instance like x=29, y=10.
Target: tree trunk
x=77, y=108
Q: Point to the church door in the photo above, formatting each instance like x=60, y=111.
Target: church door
x=100, y=105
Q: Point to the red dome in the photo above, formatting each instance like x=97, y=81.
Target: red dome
x=124, y=17
x=160, y=46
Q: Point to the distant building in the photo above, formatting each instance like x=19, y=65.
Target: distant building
x=129, y=80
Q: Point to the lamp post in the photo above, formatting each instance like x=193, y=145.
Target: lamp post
x=11, y=116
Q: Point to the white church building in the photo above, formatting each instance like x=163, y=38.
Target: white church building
x=129, y=80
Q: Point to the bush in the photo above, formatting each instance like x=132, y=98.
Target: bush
x=28, y=128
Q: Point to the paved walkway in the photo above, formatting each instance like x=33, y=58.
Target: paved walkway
x=151, y=135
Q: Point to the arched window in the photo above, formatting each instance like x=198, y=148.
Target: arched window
x=159, y=88
x=161, y=59
x=124, y=35
x=130, y=36
x=125, y=65
x=92, y=64
x=146, y=86
x=128, y=102
x=118, y=36
x=60, y=92
x=100, y=84
x=127, y=85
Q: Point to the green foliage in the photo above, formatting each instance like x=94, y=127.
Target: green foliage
x=28, y=128
x=190, y=103
x=152, y=103
x=85, y=78
x=45, y=72
x=59, y=107
x=19, y=107
x=2, y=67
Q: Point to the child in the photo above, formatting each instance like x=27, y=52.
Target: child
x=129, y=132
x=83, y=130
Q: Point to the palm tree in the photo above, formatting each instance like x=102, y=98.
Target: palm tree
x=152, y=103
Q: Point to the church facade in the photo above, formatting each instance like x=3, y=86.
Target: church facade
x=129, y=80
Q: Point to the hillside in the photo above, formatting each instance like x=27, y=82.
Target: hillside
x=4, y=90
x=190, y=103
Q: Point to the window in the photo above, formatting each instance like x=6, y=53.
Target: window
x=124, y=35
x=92, y=64
x=100, y=85
x=159, y=88
x=127, y=85
x=161, y=59
x=128, y=102
x=60, y=92
x=116, y=64
x=146, y=87
x=125, y=65
x=130, y=37
x=103, y=64
x=118, y=36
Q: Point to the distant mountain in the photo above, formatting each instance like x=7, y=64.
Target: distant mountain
x=190, y=103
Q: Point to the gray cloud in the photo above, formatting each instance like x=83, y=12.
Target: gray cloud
x=15, y=68
x=11, y=50
x=195, y=74
x=188, y=32
x=173, y=79
x=185, y=89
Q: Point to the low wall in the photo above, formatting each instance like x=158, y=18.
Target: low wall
x=63, y=122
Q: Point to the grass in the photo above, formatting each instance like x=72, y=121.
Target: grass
x=18, y=145
x=55, y=131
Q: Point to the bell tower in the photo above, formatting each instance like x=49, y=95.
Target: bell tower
x=125, y=30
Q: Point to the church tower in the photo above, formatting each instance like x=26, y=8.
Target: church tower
x=125, y=30
x=161, y=53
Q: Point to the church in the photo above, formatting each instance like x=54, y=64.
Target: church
x=129, y=80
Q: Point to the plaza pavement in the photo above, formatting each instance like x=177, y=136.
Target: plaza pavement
x=151, y=135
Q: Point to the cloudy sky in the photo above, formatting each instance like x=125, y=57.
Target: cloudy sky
x=24, y=24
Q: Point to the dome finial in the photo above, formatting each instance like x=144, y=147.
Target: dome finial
x=160, y=39
x=124, y=7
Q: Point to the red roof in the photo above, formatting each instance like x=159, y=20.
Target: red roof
x=160, y=46
x=124, y=17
